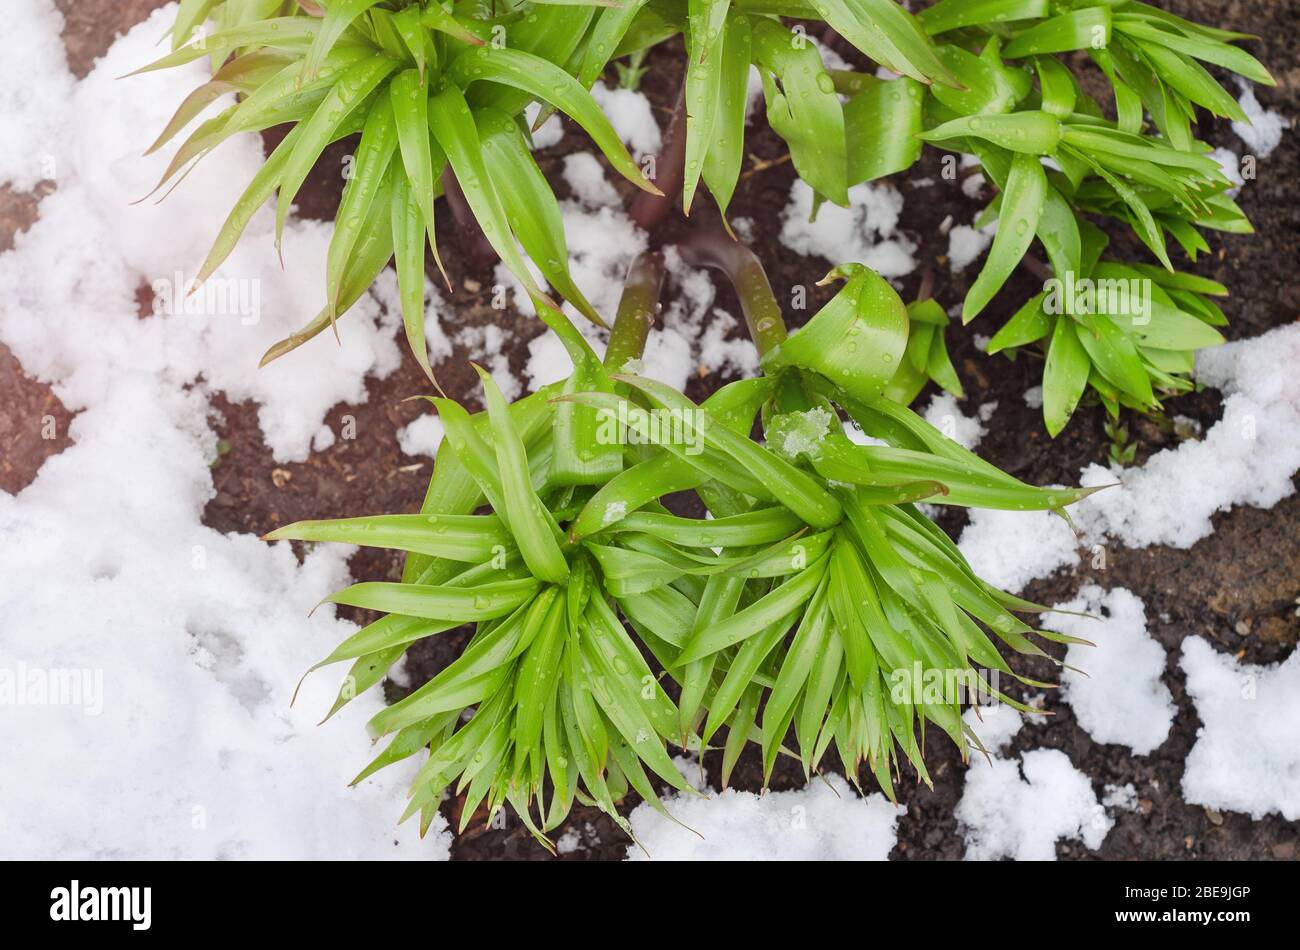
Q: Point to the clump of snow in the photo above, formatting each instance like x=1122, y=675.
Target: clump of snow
x=1121, y=797
x=825, y=821
x=182, y=643
x=1119, y=698
x=691, y=334
x=578, y=838
x=966, y=243
x=1248, y=457
x=1264, y=131
x=1247, y=752
x=966, y=431
x=1230, y=162
x=1020, y=808
x=629, y=112
x=93, y=250
x=693, y=771
x=486, y=344
x=793, y=434
x=1034, y=397
x=586, y=177
x=422, y=437
x=35, y=86
x=866, y=232
x=1011, y=548
x=972, y=186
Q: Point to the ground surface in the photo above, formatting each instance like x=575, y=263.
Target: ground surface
x=1236, y=588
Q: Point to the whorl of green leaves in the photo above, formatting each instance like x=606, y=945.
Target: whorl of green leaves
x=832, y=146
x=429, y=87
x=1130, y=333
x=816, y=583
x=1053, y=157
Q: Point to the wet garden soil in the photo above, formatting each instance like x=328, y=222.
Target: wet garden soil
x=1237, y=588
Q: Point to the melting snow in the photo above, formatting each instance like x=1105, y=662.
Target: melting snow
x=197, y=637
x=825, y=821
x=1119, y=696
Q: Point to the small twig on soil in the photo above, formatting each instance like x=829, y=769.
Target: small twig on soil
x=763, y=164
x=1036, y=267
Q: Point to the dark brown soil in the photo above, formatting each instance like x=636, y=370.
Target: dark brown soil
x=1235, y=588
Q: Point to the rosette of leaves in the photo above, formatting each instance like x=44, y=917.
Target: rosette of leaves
x=429, y=87
x=552, y=701
x=875, y=593
x=1151, y=59
x=833, y=146
x=1128, y=332
x=1021, y=108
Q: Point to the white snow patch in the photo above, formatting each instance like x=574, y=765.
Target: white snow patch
x=586, y=176
x=422, y=436
x=1011, y=548
x=35, y=87
x=196, y=637
x=864, y=233
x=1119, y=698
x=1020, y=808
x=1264, y=131
x=825, y=821
x=1230, y=162
x=966, y=243
x=551, y=131
x=996, y=725
x=966, y=431
x=629, y=112
x=1248, y=457
x=1247, y=752
x=1121, y=797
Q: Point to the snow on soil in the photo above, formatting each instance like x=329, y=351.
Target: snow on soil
x=1247, y=752
x=966, y=243
x=1011, y=548
x=35, y=86
x=629, y=112
x=422, y=437
x=1020, y=808
x=1114, y=687
x=1247, y=458
x=146, y=661
x=825, y=821
x=691, y=336
x=944, y=414
x=866, y=232
x=1264, y=131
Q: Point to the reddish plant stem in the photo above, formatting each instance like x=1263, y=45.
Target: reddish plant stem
x=648, y=211
x=745, y=271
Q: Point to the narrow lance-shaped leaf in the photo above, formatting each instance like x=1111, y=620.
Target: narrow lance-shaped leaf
x=378, y=142
x=705, y=42
x=532, y=531
x=1022, y=203
x=549, y=82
